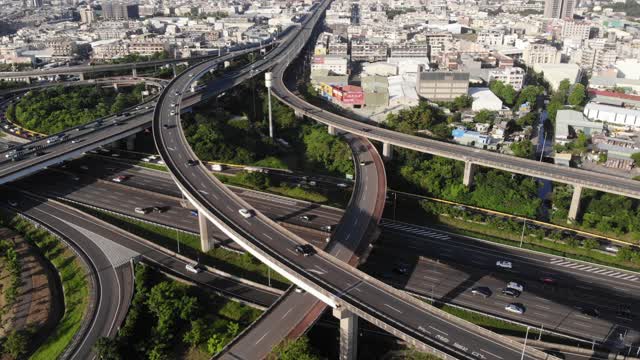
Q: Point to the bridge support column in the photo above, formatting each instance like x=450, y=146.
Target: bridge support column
x=131, y=142
x=331, y=130
x=81, y=76
x=205, y=245
x=348, y=334
x=115, y=87
x=469, y=171
x=175, y=72
x=387, y=151
x=299, y=114
x=574, y=209
x=134, y=72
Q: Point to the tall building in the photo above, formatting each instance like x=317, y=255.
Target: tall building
x=559, y=9
x=119, y=11
x=32, y=3
x=86, y=15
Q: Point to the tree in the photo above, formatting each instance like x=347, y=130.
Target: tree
x=485, y=116
x=462, y=102
x=505, y=92
x=636, y=158
x=552, y=109
x=563, y=91
x=590, y=244
x=299, y=349
x=107, y=349
x=216, y=343
x=196, y=333
x=529, y=94
x=578, y=95
x=16, y=344
x=523, y=149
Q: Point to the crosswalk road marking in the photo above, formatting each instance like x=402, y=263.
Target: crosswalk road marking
x=594, y=269
x=418, y=230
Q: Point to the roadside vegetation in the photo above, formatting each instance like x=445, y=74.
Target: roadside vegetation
x=299, y=349
x=75, y=287
x=55, y=109
x=239, y=264
x=170, y=320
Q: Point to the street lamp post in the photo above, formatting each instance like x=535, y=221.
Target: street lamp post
x=522, y=234
x=524, y=345
x=178, y=239
x=267, y=83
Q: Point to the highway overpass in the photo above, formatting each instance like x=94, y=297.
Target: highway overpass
x=340, y=286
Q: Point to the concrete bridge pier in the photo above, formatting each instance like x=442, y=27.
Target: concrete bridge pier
x=348, y=333
x=81, y=76
x=131, y=142
x=574, y=209
x=134, y=72
x=332, y=130
x=469, y=172
x=387, y=151
x=299, y=114
x=175, y=71
x=115, y=87
x=205, y=244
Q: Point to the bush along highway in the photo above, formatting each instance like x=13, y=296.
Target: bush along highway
x=169, y=320
x=75, y=290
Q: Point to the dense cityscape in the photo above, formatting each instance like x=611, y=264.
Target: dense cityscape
x=319, y=179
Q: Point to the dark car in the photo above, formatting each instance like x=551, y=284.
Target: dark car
x=511, y=292
x=305, y=218
x=624, y=312
x=402, y=269
x=547, y=280
x=192, y=162
x=482, y=291
x=306, y=250
x=159, y=209
x=591, y=312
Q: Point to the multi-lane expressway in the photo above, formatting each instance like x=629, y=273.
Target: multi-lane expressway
x=442, y=265
x=332, y=281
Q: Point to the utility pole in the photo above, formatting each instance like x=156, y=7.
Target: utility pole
x=267, y=83
x=522, y=235
x=524, y=346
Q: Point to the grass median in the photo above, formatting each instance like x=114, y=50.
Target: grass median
x=74, y=281
x=242, y=265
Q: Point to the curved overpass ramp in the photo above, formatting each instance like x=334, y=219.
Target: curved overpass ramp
x=332, y=281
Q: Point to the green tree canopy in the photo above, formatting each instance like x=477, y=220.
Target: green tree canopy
x=578, y=95
x=523, y=149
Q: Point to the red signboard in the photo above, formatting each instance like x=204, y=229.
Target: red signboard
x=318, y=59
x=355, y=98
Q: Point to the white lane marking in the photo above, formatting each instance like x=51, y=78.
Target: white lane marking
x=267, y=236
x=438, y=330
x=391, y=307
x=262, y=337
x=287, y=313
x=490, y=353
x=582, y=324
x=542, y=307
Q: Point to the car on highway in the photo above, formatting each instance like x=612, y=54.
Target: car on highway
x=516, y=286
x=342, y=185
x=120, y=178
x=548, y=280
x=166, y=126
x=401, y=268
x=194, y=268
x=363, y=163
x=193, y=213
x=326, y=228
x=312, y=183
x=504, y=264
x=141, y=210
x=13, y=203
x=590, y=311
x=159, y=209
x=299, y=290
x=305, y=250
x=75, y=141
x=172, y=113
x=510, y=292
x=192, y=162
x=515, y=308
x=305, y=218
x=483, y=291
x=246, y=213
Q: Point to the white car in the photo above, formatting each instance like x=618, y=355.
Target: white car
x=515, y=286
x=194, y=268
x=245, y=213
x=342, y=185
x=504, y=264
x=514, y=308
x=299, y=290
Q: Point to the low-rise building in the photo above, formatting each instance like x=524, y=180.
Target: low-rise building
x=362, y=50
x=442, y=85
x=541, y=54
x=484, y=99
x=613, y=115
x=335, y=63
x=513, y=76
x=570, y=122
x=555, y=73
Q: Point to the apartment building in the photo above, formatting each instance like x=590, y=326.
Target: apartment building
x=148, y=47
x=362, y=50
x=409, y=51
x=62, y=47
x=118, y=11
x=559, y=9
x=442, y=85
x=513, y=76
x=541, y=54
x=334, y=63
x=577, y=30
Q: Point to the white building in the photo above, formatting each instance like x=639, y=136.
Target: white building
x=380, y=68
x=336, y=64
x=613, y=115
x=402, y=90
x=408, y=65
x=513, y=76
x=484, y=99
x=555, y=73
x=629, y=68
x=541, y=54
x=577, y=30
